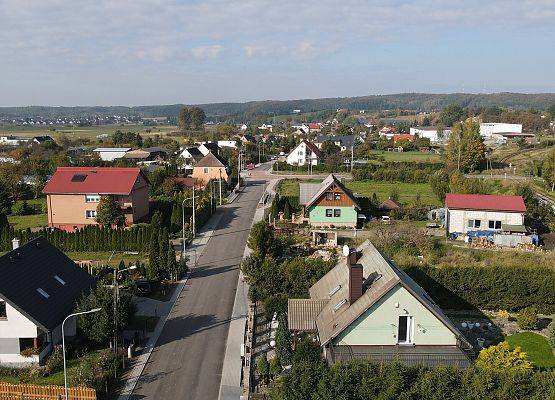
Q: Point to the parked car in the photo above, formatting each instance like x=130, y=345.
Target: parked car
x=144, y=287
x=385, y=219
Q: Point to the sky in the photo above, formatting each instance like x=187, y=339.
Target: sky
x=143, y=52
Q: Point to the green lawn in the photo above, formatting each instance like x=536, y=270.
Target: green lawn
x=535, y=346
x=33, y=220
x=408, y=156
x=407, y=191
x=105, y=255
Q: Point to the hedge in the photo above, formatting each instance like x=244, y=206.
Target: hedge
x=492, y=288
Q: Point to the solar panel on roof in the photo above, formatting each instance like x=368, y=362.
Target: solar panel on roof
x=79, y=178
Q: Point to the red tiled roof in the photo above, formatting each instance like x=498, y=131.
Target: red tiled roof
x=314, y=125
x=101, y=180
x=402, y=136
x=485, y=202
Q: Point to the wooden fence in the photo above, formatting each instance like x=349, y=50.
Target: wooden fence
x=34, y=392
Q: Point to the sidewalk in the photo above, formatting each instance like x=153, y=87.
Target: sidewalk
x=231, y=382
x=139, y=363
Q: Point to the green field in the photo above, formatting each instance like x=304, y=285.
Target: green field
x=408, y=156
x=85, y=132
x=535, y=346
x=30, y=221
x=407, y=191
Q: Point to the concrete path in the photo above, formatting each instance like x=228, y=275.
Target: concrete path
x=186, y=361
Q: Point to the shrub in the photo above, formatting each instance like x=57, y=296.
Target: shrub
x=56, y=361
x=527, y=318
x=21, y=208
x=263, y=368
x=275, y=367
x=501, y=358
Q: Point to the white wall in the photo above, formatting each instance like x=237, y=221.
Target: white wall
x=489, y=128
x=16, y=325
x=457, y=220
x=111, y=155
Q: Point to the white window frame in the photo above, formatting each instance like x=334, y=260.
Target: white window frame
x=471, y=223
x=92, y=198
x=90, y=214
x=410, y=329
x=337, y=196
x=337, y=213
x=330, y=212
x=495, y=223
x=205, y=170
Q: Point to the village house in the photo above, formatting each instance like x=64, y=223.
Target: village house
x=329, y=204
x=147, y=154
x=387, y=132
x=305, y=153
x=366, y=307
x=499, y=219
x=209, y=147
x=210, y=167
x=73, y=193
x=344, y=142
x=429, y=132
x=39, y=287
x=403, y=136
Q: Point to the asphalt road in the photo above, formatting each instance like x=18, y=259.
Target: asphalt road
x=187, y=360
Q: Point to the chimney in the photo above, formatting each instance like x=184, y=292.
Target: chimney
x=15, y=243
x=355, y=277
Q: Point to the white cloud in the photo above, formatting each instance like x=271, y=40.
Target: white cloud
x=211, y=51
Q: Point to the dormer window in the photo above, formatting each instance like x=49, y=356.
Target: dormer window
x=334, y=290
x=43, y=293
x=60, y=280
x=339, y=305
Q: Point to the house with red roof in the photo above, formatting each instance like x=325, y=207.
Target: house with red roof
x=469, y=214
x=305, y=153
x=73, y=193
x=403, y=136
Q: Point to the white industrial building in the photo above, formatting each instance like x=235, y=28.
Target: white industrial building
x=111, y=153
x=429, y=132
x=488, y=129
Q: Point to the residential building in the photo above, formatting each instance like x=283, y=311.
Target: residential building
x=432, y=133
x=147, y=154
x=265, y=127
x=315, y=127
x=209, y=147
x=344, y=142
x=488, y=129
x=305, y=153
x=247, y=139
x=210, y=167
x=387, y=131
x=232, y=144
x=329, y=204
x=39, y=287
x=42, y=139
x=467, y=213
x=403, y=136
x=366, y=307
x=192, y=155
x=73, y=193
x=111, y=153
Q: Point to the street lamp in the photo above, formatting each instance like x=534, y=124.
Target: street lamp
x=64, y=343
x=116, y=301
x=183, y=215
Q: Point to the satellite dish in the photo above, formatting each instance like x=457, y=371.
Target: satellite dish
x=346, y=250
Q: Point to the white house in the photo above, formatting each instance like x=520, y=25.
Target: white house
x=388, y=132
x=429, y=132
x=232, y=144
x=305, y=153
x=265, y=127
x=39, y=288
x=209, y=147
x=191, y=156
x=111, y=153
x=482, y=212
x=488, y=129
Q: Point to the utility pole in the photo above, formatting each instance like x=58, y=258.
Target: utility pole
x=239, y=170
x=352, y=157
x=220, y=182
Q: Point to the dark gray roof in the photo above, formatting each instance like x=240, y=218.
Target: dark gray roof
x=344, y=140
x=211, y=160
x=212, y=146
x=40, y=265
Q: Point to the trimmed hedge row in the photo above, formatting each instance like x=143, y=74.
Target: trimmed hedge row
x=491, y=288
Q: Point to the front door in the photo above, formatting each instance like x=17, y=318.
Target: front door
x=404, y=334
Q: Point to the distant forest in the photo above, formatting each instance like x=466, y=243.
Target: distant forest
x=248, y=110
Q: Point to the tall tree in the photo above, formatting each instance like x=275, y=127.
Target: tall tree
x=283, y=341
x=163, y=245
x=465, y=150
x=261, y=239
x=153, y=271
x=330, y=148
x=548, y=169
x=184, y=118
x=197, y=117
x=108, y=212
x=451, y=114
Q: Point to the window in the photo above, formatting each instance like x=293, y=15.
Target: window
x=59, y=279
x=404, y=330
x=301, y=153
x=92, y=198
x=337, y=212
x=494, y=224
x=90, y=214
x=205, y=170
x=329, y=212
x=337, y=196
x=3, y=309
x=43, y=293
x=329, y=196
x=474, y=223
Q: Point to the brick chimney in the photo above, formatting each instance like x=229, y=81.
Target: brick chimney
x=355, y=277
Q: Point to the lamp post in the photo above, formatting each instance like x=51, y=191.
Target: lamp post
x=183, y=216
x=64, y=343
x=116, y=301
